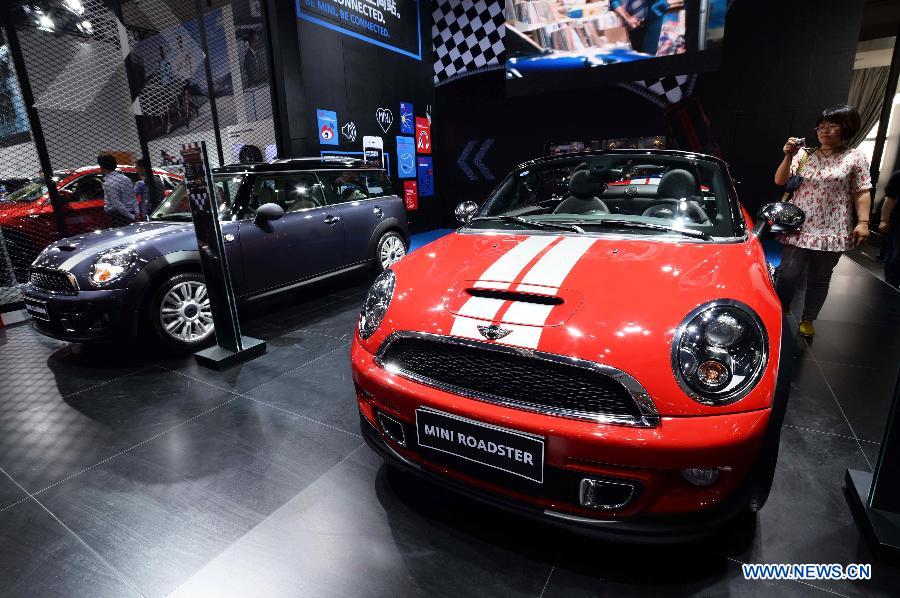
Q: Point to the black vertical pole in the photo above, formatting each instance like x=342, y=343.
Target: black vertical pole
x=291, y=120
x=201, y=25
x=134, y=87
x=34, y=121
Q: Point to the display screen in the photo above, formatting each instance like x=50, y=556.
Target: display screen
x=558, y=44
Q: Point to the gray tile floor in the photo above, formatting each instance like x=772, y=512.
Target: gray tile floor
x=128, y=473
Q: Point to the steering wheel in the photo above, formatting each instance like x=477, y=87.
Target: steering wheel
x=663, y=208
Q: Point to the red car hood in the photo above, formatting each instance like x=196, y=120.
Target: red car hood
x=616, y=301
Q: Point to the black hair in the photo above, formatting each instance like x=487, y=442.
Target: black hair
x=142, y=163
x=106, y=162
x=844, y=115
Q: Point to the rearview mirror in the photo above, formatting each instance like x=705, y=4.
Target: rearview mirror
x=466, y=211
x=779, y=217
x=268, y=211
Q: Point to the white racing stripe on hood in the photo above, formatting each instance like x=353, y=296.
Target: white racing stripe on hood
x=510, y=264
x=124, y=240
x=552, y=269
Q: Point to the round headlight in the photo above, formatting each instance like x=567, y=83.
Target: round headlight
x=719, y=352
x=111, y=265
x=376, y=305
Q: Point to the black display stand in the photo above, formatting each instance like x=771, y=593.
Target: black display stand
x=875, y=498
x=231, y=347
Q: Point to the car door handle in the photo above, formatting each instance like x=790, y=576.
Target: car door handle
x=377, y=211
x=332, y=220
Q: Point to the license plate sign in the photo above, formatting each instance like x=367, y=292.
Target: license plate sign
x=37, y=309
x=498, y=448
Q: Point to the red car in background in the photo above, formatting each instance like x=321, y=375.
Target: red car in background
x=611, y=363
x=27, y=220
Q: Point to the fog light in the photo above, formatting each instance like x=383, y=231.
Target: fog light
x=701, y=476
x=605, y=494
x=392, y=428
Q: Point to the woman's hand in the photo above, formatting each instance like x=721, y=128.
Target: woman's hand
x=632, y=22
x=792, y=146
x=861, y=233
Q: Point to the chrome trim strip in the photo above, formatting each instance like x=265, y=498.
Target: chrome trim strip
x=581, y=520
x=732, y=396
x=582, y=490
x=305, y=282
x=649, y=416
x=379, y=415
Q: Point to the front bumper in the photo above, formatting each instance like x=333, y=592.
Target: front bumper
x=81, y=317
x=665, y=508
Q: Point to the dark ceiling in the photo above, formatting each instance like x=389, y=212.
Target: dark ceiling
x=880, y=19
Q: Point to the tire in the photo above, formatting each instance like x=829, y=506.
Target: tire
x=389, y=250
x=178, y=313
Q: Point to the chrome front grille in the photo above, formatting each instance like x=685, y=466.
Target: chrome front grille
x=520, y=378
x=53, y=281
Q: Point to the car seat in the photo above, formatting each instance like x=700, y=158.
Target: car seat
x=676, y=195
x=584, y=188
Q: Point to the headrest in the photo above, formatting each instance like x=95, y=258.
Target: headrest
x=677, y=184
x=583, y=184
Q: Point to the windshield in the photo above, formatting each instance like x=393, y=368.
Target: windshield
x=632, y=193
x=176, y=206
x=29, y=192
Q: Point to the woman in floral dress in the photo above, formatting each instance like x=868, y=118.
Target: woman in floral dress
x=836, y=185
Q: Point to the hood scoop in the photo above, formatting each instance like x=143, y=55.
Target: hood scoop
x=482, y=305
x=516, y=296
x=67, y=247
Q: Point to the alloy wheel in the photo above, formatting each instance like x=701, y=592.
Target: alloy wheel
x=392, y=251
x=185, y=313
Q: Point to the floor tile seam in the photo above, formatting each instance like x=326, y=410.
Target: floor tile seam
x=841, y=408
x=302, y=365
x=800, y=581
x=121, y=576
x=139, y=444
x=189, y=377
x=301, y=416
x=872, y=274
x=547, y=581
x=110, y=381
x=866, y=440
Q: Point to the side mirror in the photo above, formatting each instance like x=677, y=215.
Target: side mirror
x=466, y=211
x=779, y=217
x=267, y=212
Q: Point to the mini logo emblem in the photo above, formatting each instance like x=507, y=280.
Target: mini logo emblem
x=631, y=191
x=493, y=332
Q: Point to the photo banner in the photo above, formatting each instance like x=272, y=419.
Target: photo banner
x=389, y=24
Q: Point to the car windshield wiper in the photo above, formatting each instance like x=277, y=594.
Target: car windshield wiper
x=687, y=232
x=519, y=220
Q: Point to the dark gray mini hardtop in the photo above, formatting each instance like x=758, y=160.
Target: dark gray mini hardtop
x=284, y=224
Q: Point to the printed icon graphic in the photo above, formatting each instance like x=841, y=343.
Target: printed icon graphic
x=385, y=118
x=423, y=136
x=373, y=150
x=407, y=126
x=327, y=127
x=406, y=157
x=410, y=195
x=349, y=131
x=425, y=176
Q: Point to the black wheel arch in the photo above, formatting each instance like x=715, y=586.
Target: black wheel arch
x=141, y=287
x=389, y=224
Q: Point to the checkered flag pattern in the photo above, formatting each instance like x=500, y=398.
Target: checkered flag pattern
x=664, y=92
x=467, y=37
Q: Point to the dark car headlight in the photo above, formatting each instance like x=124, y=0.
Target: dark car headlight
x=112, y=265
x=376, y=305
x=719, y=352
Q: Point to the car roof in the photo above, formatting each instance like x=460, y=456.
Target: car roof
x=318, y=163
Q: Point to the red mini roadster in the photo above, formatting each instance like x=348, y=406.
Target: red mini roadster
x=609, y=358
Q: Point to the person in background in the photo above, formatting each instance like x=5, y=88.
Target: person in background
x=835, y=183
x=118, y=193
x=889, y=226
x=255, y=61
x=644, y=20
x=148, y=196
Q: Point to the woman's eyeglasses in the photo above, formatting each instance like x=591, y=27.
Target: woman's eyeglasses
x=828, y=128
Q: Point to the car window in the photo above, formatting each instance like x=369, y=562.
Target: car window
x=291, y=191
x=87, y=187
x=176, y=207
x=342, y=186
